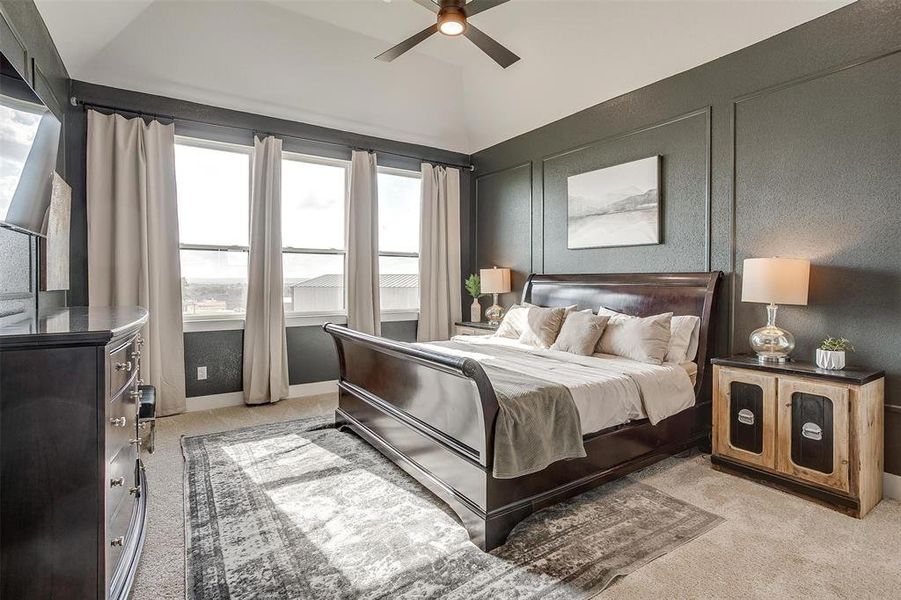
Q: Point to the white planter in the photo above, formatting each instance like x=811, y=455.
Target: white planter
x=475, y=311
x=828, y=359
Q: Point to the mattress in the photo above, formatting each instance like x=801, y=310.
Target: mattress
x=607, y=390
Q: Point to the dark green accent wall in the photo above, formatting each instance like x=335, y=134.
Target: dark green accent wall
x=789, y=147
x=311, y=356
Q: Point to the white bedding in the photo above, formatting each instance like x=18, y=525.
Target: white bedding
x=607, y=390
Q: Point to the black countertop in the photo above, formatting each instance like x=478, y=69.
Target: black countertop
x=852, y=375
x=73, y=325
x=477, y=325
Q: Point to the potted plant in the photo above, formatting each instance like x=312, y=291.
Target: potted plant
x=831, y=353
x=474, y=286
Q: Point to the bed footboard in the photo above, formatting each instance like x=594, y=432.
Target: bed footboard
x=430, y=413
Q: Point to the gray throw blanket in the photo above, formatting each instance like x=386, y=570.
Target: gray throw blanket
x=537, y=423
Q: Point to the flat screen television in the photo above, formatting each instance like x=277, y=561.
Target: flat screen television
x=29, y=140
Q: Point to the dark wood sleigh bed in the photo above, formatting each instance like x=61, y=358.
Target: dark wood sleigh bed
x=434, y=414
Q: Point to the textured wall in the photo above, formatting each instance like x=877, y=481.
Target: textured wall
x=311, y=356
x=789, y=147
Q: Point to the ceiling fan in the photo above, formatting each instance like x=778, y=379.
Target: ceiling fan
x=452, y=21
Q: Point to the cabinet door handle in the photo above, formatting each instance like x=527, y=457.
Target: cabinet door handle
x=118, y=421
x=126, y=366
x=135, y=490
x=117, y=482
x=116, y=541
x=812, y=431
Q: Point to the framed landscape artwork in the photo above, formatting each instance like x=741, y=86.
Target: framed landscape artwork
x=615, y=206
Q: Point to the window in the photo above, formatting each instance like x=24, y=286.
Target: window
x=213, y=186
x=313, y=246
x=399, y=207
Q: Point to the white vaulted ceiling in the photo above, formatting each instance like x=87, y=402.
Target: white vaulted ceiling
x=312, y=60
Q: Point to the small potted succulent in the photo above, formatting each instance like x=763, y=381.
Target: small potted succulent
x=831, y=353
x=474, y=286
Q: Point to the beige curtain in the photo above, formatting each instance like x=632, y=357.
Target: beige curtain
x=265, y=344
x=363, y=245
x=133, y=256
x=439, y=255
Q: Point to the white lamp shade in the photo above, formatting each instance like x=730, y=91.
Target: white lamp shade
x=495, y=281
x=776, y=280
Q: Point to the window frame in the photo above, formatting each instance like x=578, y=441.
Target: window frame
x=316, y=317
x=184, y=140
x=214, y=322
x=409, y=173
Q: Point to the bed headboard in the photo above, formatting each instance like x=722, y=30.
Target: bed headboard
x=641, y=294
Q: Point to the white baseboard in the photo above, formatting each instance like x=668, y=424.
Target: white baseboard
x=214, y=401
x=891, y=486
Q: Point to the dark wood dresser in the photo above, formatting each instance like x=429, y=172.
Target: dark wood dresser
x=73, y=495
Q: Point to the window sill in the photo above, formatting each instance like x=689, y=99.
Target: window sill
x=291, y=320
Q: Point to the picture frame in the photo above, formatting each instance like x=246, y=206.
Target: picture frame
x=616, y=206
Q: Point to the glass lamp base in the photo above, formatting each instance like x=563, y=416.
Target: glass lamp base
x=772, y=344
x=494, y=313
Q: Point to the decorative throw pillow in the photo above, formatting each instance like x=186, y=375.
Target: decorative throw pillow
x=683, y=342
x=512, y=324
x=643, y=339
x=541, y=326
x=580, y=333
x=514, y=321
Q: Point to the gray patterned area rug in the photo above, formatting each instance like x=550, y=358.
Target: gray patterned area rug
x=300, y=510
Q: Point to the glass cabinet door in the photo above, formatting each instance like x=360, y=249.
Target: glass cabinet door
x=745, y=415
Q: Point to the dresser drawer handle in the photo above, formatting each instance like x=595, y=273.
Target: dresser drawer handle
x=117, y=541
x=118, y=421
x=117, y=482
x=126, y=366
x=746, y=416
x=812, y=431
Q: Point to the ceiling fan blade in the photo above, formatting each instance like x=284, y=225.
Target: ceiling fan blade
x=407, y=44
x=486, y=44
x=428, y=4
x=477, y=6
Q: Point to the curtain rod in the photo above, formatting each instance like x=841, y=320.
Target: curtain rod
x=86, y=105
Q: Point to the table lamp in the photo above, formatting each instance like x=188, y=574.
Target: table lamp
x=495, y=281
x=774, y=281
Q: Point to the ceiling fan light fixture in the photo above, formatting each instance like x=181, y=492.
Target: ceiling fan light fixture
x=451, y=21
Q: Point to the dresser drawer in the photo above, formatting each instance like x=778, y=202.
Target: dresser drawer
x=121, y=417
x=120, y=478
x=117, y=534
x=122, y=365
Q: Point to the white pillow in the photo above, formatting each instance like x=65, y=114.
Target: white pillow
x=541, y=326
x=683, y=342
x=684, y=329
x=514, y=321
x=580, y=333
x=644, y=339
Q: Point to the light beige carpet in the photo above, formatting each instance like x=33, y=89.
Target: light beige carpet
x=772, y=545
